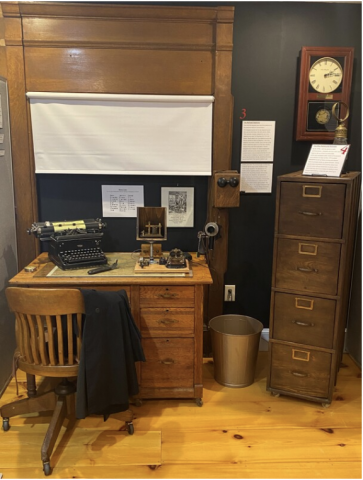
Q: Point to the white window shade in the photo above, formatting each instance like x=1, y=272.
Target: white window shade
x=122, y=134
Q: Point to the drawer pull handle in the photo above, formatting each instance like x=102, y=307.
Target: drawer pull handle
x=300, y=355
x=304, y=303
x=302, y=324
x=167, y=321
x=313, y=270
x=311, y=214
x=298, y=374
x=167, y=361
x=315, y=191
x=167, y=295
x=308, y=249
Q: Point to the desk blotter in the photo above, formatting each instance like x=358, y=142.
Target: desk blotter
x=126, y=262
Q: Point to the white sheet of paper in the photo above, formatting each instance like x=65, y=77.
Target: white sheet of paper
x=326, y=160
x=256, y=177
x=122, y=200
x=258, y=139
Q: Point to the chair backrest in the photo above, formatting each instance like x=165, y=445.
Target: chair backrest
x=48, y=329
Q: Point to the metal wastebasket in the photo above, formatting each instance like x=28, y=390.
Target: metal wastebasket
x=235, y=344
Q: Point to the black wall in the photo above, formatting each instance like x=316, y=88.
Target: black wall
x=268, y=37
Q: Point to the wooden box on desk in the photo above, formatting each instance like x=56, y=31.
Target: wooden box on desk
x=315, y=227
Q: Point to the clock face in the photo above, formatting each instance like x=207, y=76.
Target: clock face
x=322, y=116
x=325, y=75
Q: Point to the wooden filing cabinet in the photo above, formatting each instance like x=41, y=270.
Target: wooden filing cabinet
x=314, y=240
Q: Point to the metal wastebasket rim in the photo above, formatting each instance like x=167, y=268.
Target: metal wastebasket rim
x=236, y=334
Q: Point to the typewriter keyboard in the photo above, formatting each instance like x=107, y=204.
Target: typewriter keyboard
x=84, y=256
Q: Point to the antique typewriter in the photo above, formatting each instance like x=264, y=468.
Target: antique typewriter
x=72, y=244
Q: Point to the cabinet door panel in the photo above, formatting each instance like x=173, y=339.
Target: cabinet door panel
x=306, y=320
x=169, y=363
x=311, y=209
x=307, y=266
x=302, y=371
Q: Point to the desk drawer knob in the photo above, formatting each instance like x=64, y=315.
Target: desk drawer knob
x=307, y=270
x=311, y=214
x=302, y=324
x=168, y=361
x=168, y=295
x=298, y=374
x=167, y=321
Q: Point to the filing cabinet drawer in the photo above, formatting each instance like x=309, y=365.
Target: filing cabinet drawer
x=312, y=209
x=306, y=320
x=167, y=296
x=307, y=266
x=162, y=322
x=169, y=363
x=302, y=371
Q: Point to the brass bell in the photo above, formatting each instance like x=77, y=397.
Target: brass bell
x=341, y=132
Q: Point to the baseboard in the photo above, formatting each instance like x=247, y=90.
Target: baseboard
x=264, y=340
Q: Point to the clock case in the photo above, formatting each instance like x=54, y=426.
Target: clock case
x=310, y=101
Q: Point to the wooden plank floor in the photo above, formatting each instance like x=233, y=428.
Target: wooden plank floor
x=238, y=433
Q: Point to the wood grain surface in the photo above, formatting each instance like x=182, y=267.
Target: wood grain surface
x=238, y=433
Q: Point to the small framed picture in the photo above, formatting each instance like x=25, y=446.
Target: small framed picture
x=179, y=204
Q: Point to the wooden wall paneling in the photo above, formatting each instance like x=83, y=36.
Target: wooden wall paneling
x=127, y=49
x=23, y=167
x=222, y=142
x=110, y=70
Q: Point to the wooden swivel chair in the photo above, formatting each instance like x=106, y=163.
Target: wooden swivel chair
x=48, y=345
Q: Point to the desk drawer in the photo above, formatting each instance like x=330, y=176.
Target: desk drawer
x=306, y=320
x=169, y=363
x=307, y=266
x=167, y=296
x=161, y=322
x=301, y=371
x=311, y=209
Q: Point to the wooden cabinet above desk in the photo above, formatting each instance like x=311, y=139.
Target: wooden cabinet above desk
x=168, y=311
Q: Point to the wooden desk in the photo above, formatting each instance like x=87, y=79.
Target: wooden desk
x=169, y=314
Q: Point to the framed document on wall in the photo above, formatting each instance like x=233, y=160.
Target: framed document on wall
x=179, y=203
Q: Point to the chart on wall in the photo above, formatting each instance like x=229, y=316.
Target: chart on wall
x=122, y=134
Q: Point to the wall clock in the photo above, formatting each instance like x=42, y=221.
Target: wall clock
x=325, y=78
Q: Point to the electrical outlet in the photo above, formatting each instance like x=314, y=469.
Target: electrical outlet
x=230, y=293
x=145, y=250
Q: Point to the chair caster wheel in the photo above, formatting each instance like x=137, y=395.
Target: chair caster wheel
x=275, y=394
x=46, y=468
x=325, y=405
x=138, y=402
x=6, y=425
x=199, y=402
x=130, y=428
